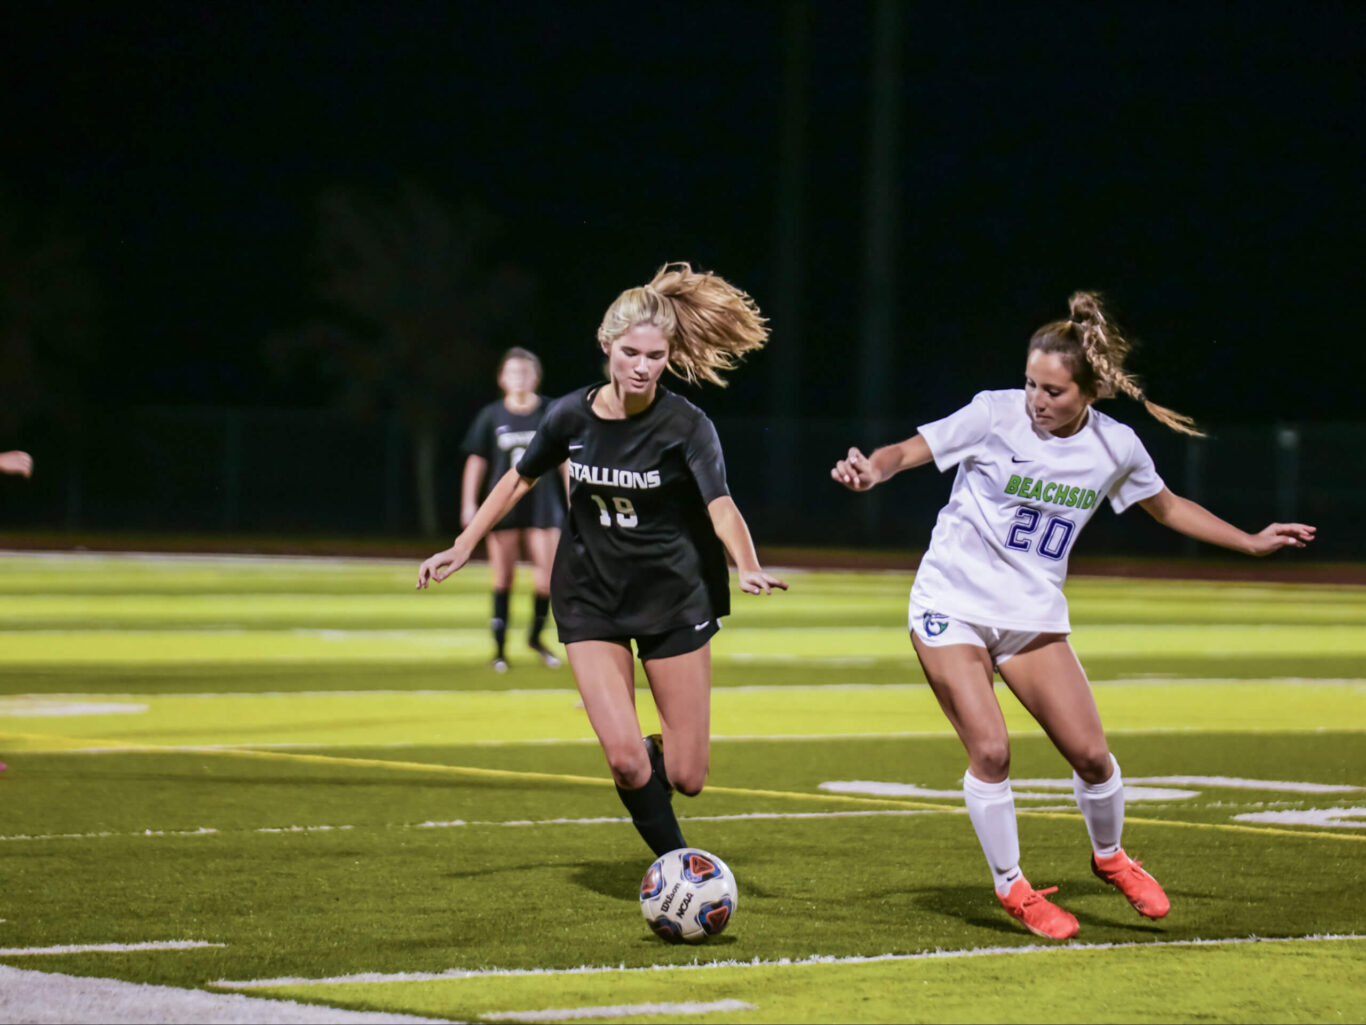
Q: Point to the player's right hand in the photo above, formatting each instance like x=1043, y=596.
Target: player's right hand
x=854, y=471
x=441, y=565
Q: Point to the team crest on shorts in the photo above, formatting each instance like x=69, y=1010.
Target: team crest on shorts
x=935, y=623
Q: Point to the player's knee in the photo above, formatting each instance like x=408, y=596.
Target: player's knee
x=689, y=779
x=992, y=758
x=629, y=765
x=690, y=782
x=1094, y=766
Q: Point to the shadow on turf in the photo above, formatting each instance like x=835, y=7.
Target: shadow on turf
x=973, y=905
x=621, y=880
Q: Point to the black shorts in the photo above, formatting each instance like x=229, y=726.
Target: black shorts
x=679, y=641
x=540, y=507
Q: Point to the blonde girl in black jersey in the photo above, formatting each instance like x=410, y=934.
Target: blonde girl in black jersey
x=643, y=554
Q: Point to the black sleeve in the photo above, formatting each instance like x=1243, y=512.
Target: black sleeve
x=550, y=446
x=479, y=438
x=705, y=461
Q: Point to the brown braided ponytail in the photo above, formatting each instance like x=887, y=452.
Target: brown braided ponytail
x=1094, y=350
x=709, y=323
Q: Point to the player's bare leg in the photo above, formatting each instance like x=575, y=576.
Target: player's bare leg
x=605, y=674
x=1050, y=682
x=961, y=677
x=502, y=548
x=541, y=543
x=681, y=686
x=1052, y=686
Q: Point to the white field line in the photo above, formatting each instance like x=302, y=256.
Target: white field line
x=622, y=1011
x=36, y=709
x=462, y=823
x=10, y=701
x=1154, y=680
x=227, y=557
x=785, y=962
x=107, y=948
x=52, y=998
x=1345, y=817
x=1290, y=816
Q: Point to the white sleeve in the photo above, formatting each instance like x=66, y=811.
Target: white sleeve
x=1139, y=480
x=959, y=435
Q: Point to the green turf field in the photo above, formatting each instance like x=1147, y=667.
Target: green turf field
x=296, y=780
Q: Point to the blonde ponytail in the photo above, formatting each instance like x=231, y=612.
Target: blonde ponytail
x=709, y=323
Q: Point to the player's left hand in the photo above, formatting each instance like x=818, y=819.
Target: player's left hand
x=1276, y=536
x=759, y=582
x=16, y=462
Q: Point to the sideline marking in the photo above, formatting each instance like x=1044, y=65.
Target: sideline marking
x=27, y=995
x=621, y=1011
x=782, y=962
x=1344, y=817
x=598, y=781
x=107, y=948
x=472, y=824
x=23, y=706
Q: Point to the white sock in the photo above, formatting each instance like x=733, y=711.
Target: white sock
x=991, y=806
x=1102, y=806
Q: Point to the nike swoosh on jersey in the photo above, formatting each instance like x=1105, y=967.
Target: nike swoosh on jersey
x=575, y=448
x=1017, y=459
x=702, y=626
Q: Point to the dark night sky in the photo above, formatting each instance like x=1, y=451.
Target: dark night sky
x=1201, y=164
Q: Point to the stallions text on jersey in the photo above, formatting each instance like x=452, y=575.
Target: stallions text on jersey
x=998, y=554
x=639, y=554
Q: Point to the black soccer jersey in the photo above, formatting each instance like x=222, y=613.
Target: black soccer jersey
x=639, y=555
x=500, y=436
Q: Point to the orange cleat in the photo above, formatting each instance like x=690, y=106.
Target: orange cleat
x=1037, y=913
x=1140, y=889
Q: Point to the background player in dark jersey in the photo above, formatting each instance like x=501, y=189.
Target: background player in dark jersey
x=495, y=442
x=650, y=521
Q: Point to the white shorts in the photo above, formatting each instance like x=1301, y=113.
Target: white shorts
x=938, y=631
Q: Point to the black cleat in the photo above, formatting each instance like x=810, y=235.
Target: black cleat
x=654, y=747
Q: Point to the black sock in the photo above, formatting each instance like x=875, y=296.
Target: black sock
x=499, y=623
x=542, y=609
x=653, y=816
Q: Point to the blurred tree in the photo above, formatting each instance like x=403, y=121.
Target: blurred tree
x=415, y=311
x=48, y=316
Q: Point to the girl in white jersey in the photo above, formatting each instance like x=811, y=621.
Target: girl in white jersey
x=1032, y=466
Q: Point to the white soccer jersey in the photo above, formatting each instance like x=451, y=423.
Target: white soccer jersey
x=998, y=554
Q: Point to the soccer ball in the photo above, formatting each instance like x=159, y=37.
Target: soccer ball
x=688, y=895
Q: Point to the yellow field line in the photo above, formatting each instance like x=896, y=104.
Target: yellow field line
x=556, y=777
